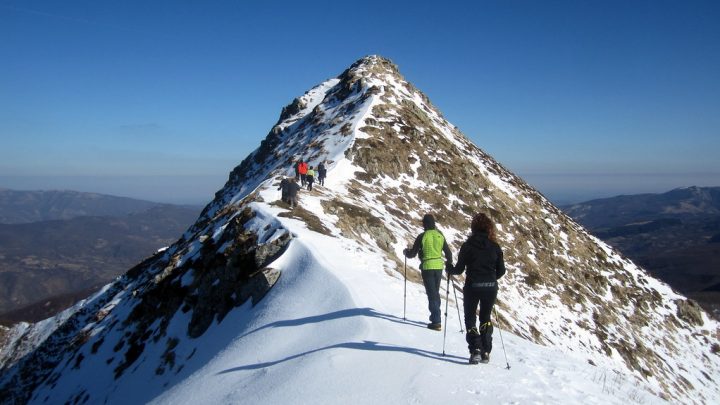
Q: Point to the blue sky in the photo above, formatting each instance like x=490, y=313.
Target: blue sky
x=161, y=99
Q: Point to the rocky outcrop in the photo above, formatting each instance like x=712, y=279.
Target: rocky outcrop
x=206, y=278
x=356, y=221
x=689, y=311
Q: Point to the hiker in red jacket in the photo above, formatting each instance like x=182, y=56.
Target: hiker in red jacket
x=302, y=168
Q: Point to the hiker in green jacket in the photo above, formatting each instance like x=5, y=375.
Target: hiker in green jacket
x=431, y=244
x=310, y=177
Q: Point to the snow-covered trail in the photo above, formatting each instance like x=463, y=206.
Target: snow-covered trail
x=332, y=331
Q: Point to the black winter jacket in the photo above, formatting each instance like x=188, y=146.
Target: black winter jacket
x=292, y=189
x=483, y=259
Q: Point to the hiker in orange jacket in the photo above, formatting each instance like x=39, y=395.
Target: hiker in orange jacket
x=302, y=169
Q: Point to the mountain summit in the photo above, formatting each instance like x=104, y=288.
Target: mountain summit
x=257, y=302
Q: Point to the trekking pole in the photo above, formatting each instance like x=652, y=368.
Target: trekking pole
x=447, y=296
x=405, y=290
x=501, y=340
x=457, y=305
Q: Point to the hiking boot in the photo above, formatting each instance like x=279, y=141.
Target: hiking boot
x=435, y=326
x=475, y=357
x=485, y=358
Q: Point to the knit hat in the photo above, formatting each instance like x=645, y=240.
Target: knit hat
x=428, y=222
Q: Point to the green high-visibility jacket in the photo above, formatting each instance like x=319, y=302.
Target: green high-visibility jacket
x=431, y=244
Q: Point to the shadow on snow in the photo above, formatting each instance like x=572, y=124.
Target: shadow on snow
x=364, y=345
x=345, y=313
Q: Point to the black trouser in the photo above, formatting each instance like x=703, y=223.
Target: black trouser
x=431, y=280
x=479, y=338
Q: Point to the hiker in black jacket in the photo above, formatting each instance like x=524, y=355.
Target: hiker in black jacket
x=297, y=169
x=322, y=173
x=483, y=259
x=292, y=190
x=284, y=185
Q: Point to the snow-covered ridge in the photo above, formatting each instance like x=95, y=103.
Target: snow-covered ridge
x=185, y=319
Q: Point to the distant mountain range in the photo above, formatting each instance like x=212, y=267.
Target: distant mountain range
x=674, y=235
x=20, y=207
x=57, y=246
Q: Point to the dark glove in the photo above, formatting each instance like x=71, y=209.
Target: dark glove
x=406, y=252
x=449, y=267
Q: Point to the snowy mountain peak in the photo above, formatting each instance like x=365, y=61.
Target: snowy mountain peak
x=374, y=66
x=248, y=279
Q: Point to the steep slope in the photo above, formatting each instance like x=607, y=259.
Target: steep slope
x=392, y=157
x=673, y=235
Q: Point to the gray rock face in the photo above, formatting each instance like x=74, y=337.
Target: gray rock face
x=355, y=221
x=690, y=312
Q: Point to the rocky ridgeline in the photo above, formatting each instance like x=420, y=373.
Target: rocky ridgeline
x=564, y=287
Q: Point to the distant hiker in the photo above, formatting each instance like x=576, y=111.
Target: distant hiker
x=284, y=183
x=322, y=173
x=310, y=177
x=292, y=190
x=302, y=168
x=430, y=244
x=483, y=258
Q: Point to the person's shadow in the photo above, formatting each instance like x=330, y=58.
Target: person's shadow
x=345, y=313
x=364, y=345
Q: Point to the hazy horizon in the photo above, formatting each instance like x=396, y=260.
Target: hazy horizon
x=200, y=190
